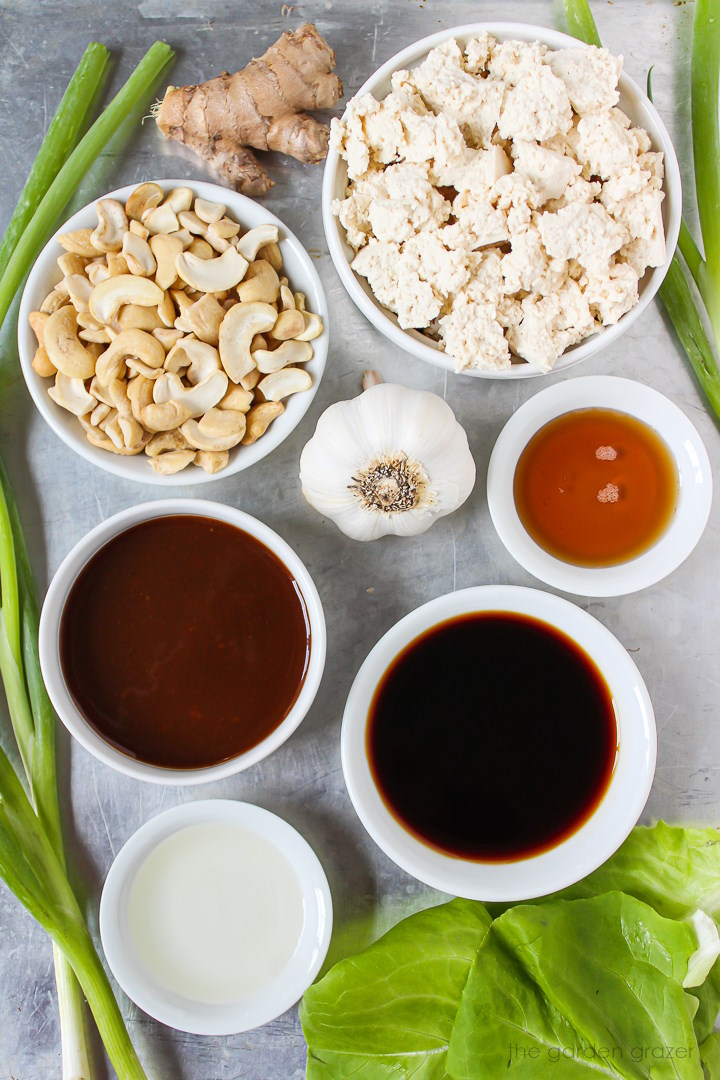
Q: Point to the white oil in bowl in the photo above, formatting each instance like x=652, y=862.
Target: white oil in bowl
x=215, y=913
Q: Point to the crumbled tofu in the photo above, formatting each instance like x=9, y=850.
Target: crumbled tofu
x=412, y=279
x=394, y=204
x=549, y=171
x=513, y=60
x=604, y=143
x=590, y=76
x=582, y=231
x=611, y=295
x=477, y=53
x=477, y=223
x=550, y=324
x=537, y=107
x=509, y=144
x=445, y=86
x=527, y=267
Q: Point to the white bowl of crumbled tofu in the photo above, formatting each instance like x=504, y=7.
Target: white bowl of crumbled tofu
x=501, y=200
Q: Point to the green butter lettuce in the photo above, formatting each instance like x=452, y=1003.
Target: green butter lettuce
x=590, y=987
x=389, y=1012
x=710, y=1054
x=590, y=980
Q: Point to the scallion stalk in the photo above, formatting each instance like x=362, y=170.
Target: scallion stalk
x=56, y=197
x=675, y=292
x=65, y=129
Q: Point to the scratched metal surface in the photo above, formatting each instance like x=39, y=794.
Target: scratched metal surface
x=672, y=629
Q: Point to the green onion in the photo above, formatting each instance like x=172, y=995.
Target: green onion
x=32, y=861
x=675, y=292
x=58, y=194
x=62, y=135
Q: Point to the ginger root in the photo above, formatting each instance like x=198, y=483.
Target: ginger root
x=263, y=106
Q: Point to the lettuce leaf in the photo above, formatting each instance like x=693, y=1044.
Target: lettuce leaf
x=591, y=987
x=710, y=1054
x=389, y=1011
x=673, y=869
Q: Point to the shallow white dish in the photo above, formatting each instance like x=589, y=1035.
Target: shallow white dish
x=584, y=850
x=52, y=611
x=694, y=494
x=632, y=101
x=303, y=277
x=184, y=1013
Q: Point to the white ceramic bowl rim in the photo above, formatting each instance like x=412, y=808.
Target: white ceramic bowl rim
x=51, y=615
x=303, y=277
x=632, y=100
x=198, y=1017
x=593, y=842
x=694, y=490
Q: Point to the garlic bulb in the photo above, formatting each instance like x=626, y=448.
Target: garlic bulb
x=392, y=460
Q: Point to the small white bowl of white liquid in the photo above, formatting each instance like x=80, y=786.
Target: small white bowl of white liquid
x=215, y=917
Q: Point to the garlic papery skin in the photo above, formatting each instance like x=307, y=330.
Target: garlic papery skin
x=392, y=460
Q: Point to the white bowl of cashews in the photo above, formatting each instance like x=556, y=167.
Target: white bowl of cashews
x=167, y=338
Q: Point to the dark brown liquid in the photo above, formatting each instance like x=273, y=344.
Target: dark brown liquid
x=492, y=737
x=596, y=487
x=184, y=641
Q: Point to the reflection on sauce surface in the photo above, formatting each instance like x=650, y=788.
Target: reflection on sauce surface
x=184, y=641
x=596, y=487
x=492, y=737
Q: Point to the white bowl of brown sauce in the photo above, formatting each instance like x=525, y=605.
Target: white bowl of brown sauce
x=488, y=778
x=599, y=486
x=182, y=642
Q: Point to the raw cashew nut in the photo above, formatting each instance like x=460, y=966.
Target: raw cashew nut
x=143, y=198
x=204, y=318
x=134, y=317
x=71, y=394
x=289, y=324
x=79, y=290
x=202, y=249
x=79, y=243
x=212, y=461
x=180, y=198
x=71, y=264
x=140, y=395
x=97, y=272
x=272, y=254
x=138, y=255
x=130, y=344
x=168, y=336
x=212, y=275
x=257, y=238
x=165, y=441
x=287, y=300
x=196, y=399
x=52, y=302
x=280, y=384
x=219, y=429
x=111, y=227
x=238, y=328
x=260, y=283
x=313, y=325
x=290, y=352
x=109, y=296
x=138, y=229
x=166, y=250
x=172, y=462
x=199, y=358
x=42, y=364
x=161, y=219
x=237, y=399
x=209, y=212
x=164, y=417
x=37, y=320
x=259, y=419
x=64, y=349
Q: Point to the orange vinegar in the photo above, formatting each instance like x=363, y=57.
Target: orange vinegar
x=596, y=487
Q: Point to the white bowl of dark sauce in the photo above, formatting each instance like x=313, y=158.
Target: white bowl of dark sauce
x=498, y=743
x=599, y=486
x=182, y=642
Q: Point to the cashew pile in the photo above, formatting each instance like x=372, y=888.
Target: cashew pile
x=171, y=332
